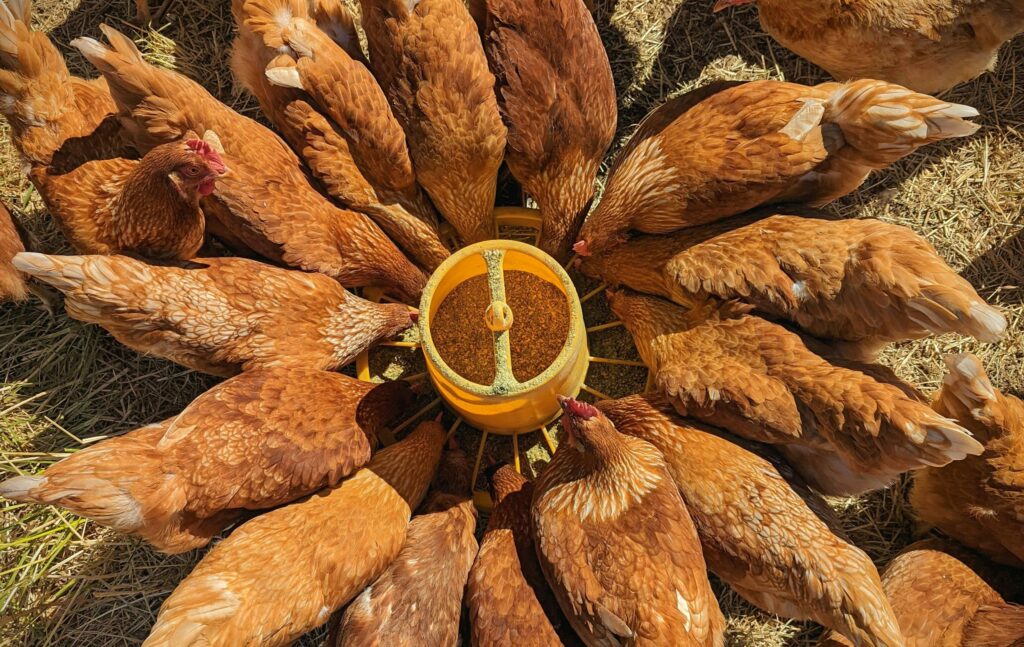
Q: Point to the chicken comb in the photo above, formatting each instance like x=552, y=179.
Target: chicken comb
x=574, y=407
x=204, y=150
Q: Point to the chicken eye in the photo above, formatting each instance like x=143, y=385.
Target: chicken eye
x=192, y=171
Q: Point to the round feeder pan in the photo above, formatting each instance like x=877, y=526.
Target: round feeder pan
x=506, y=408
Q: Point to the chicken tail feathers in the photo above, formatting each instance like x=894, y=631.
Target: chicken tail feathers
x=88, y=282
x=273, y=21
x=967, y=382
x=944, y=440
x=24, y=54
x=884, y=122
x=20, y=488
x=109, y=482
x=942, y=308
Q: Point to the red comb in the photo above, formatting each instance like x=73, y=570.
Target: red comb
x=204, y=150
x=581, y=248
x=576, y=408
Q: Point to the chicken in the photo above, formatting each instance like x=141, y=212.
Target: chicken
x=557, y=97
x=428, y=58
x=926, y=45
x=508, y=600
x=978, y=501
x=54, y=117
x=418, y=599
x=259, y=440
x=726, y=148
x=267, y=206
x=762, y=531
x=104, y=200
x=13, y=284
x=847, y=428
x=616, y=543
x=940, y=602
x=861, y=281
x=148, y=207
x=332, y=112
x=283, y=573
x=219, y=315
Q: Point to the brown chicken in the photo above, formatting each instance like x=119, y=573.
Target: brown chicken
x=267, y=206
x=557, y=97
x=727, y=148
x=847, y=428
x=861, y=281
x=54, y=117
x=941, y=602
x=926, y=45
x=616, y=543
x=283, y=573
x=104, y=200
x=259, y=440
x=762, y=531
x=219, y=315
x=428, y=58
x=978, y=501
x=13, y=284
x=148, y=207
x=331, y=110
x=508, y=599
x=418, y=599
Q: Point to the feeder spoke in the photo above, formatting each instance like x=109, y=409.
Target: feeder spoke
x=649, y=384
x=605, y=326
x=515, y=452
x=433, y=403
x=415, y=377
x=479, y=455
x=617, y=362
x=593, y=293
x=453, y=429
x=597, y=394
x=399, y=344
x=569, y=263
x=548, y=440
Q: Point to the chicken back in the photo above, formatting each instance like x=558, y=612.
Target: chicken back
x=429, y=59
x=509, y=601
x=418, y=599
x=926, y=45
x=978, y=501
x=557, y=97
x=762, y=530
x=846, y=427
x=256, y=441
x=940, y=602
x=861, y=281
x=219, y=315
x=283, y=573
x=726, y=148
x=331, y=110
x=616, y=542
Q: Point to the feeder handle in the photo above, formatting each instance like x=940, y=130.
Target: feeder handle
x=495, y=259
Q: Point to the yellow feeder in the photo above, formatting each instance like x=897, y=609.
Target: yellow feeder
x=506, y=406
x=503, y=408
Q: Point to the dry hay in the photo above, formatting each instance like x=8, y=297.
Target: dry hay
x=64, y=581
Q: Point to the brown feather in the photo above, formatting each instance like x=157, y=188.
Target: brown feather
x=317, y=554
x=220, y=315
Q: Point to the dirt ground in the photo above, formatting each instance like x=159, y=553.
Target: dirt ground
x=64, y=581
